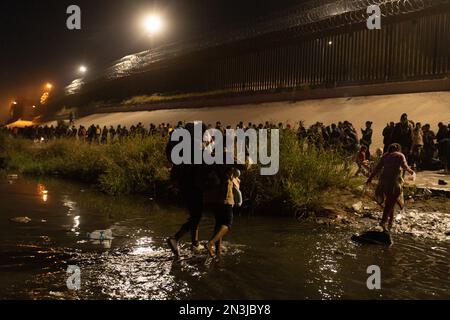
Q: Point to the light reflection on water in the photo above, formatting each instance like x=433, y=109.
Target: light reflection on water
x=265, y=258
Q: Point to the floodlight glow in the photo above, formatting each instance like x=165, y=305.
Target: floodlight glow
x=153, y=24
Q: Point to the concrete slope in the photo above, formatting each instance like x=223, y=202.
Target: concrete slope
x=429, y=108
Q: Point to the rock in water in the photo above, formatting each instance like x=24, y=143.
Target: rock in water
x=358, y=207
x=20, y=220
x=373, y=237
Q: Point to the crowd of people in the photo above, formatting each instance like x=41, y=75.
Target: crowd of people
x=421, y=145
x=423, y=148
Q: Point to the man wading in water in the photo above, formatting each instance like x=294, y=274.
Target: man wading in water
x=206, y=185
x=190, y=180
x=390, y=186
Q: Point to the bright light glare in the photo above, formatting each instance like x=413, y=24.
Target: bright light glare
x=49, y=86
x=153, y=24
x=82, y=69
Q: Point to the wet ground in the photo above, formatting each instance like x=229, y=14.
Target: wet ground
x=266, y=257
x=433, y=180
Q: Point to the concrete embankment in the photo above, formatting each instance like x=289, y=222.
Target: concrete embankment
x=430, y=107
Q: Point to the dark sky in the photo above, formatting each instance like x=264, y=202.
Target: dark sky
x=36, y=47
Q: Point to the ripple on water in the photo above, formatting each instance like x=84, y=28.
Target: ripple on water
x=267, y=258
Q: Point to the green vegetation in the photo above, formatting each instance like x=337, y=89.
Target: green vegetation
x=132, y=166
x=138, y=165
x=306, y=175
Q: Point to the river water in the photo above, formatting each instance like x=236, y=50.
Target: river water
x=265, y=258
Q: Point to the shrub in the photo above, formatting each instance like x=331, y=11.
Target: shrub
x=137, y=165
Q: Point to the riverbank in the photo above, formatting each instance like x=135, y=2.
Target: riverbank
x=312, y=185
x=138, y=165
x=425, y=215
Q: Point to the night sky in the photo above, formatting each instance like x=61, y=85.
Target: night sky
x=36, y=47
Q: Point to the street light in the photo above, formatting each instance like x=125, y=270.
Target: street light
x=82, y=69
x=49, y=86
x=153, y=24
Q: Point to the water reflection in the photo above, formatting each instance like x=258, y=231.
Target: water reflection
x=144, y=247
x=266, y=258
x=326, y=268
x=43, y=192
x=72, y=211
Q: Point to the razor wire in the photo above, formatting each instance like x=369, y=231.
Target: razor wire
x=307, y=18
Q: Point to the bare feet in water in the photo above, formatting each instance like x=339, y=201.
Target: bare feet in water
x=209, y=247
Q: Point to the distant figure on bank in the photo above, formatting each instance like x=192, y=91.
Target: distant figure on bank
x=429, y=146
x=417, y=146
x=366, y=139
x=388, y=133
x=362, y=162
x=403, y=135
x=444, y=153
x=390, y=187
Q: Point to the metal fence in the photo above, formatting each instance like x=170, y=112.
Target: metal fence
x=411, y=49
x=332, y=47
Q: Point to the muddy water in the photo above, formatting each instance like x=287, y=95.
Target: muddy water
x=266, y=258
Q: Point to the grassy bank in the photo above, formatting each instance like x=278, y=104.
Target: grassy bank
x=139, y=166
x=132, y=166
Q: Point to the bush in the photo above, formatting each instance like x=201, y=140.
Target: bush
x=137, y=165
x=131, y=166
x=305, y=175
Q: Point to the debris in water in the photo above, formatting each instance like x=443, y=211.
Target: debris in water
x=57, y=294
x=20, y=220
x=341, y=253
x=442, y=182
x=373, y=237
x=100, y=235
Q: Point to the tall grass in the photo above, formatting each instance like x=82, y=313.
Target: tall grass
x=138, y=165
x=306, y=174
x=131, y=166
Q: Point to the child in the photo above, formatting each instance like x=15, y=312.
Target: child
x=363, y=164
x=237, y=188
x=224, y=211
